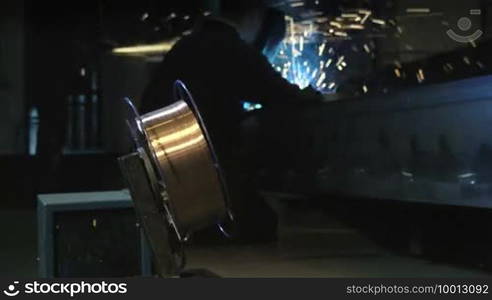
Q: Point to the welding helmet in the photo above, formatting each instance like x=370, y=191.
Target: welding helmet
x=272, y=31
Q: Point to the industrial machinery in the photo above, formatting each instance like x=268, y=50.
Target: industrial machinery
x=174, y=178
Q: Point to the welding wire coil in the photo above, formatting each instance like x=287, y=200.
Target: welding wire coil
x=184, y=168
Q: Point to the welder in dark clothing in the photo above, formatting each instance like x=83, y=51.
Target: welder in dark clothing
x=222, y=65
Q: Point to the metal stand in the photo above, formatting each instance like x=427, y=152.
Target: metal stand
x=169, y=259
x=149, y=215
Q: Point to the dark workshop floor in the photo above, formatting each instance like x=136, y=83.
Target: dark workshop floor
x=18, y=258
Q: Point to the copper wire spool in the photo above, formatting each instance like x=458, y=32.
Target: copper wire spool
x=182, y=165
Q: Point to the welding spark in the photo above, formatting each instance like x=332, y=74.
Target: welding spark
x=321, y=49
x=297, y=4
x=336, y=24
x=420, y=75
x=354, y=26
x=144, y=16
x=448, y=67
x=397, y=73
x=171, y=16
x=340, y=60
x=302, y=57
x=321, y=79
x=379, y=22
x=341, y=33
x=307, y=52
x=366, y=13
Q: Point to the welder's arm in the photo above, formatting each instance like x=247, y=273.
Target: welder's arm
x=261, y=82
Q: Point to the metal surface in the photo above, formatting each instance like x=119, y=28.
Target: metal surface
x=184, y=163
x=430, y=144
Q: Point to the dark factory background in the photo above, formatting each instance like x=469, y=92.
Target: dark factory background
x=390, y=175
